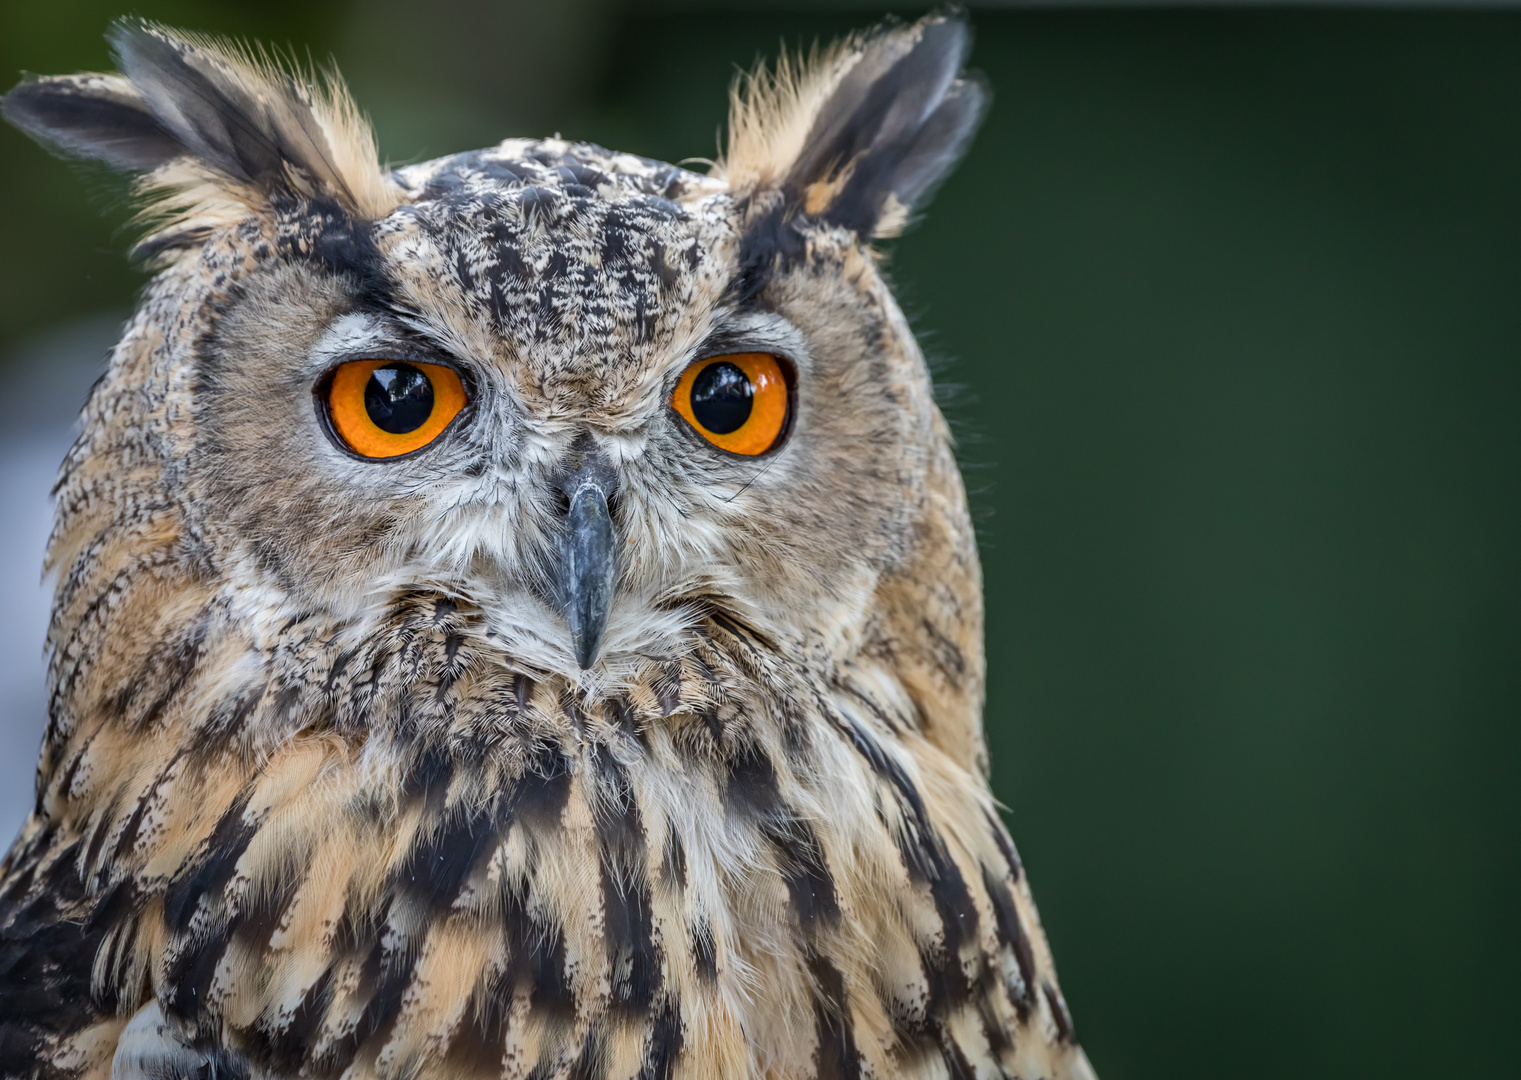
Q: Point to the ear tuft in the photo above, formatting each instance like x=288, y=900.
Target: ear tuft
x=91, y=116
x=860, y=135
x=213, y=130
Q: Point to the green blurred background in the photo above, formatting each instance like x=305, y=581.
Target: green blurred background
x=1233, y=298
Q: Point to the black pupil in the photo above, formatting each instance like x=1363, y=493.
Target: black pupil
x=399, y=398
x=721, y=396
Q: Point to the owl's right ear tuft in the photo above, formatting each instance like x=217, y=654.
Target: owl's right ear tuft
x=213, y=131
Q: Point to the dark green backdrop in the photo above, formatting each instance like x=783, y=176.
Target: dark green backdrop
x=1234, y=299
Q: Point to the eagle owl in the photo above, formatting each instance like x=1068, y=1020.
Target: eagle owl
x=517, y=615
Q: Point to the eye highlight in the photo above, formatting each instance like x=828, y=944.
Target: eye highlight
x=739, y=401
x=386, y=408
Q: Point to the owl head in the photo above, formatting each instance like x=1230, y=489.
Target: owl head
x=597, y=398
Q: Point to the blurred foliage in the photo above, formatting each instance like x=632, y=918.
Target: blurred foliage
x=1235, y=299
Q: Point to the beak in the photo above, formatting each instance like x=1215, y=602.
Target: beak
x=589, y=557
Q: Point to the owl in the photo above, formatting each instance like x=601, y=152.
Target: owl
x=517, y=615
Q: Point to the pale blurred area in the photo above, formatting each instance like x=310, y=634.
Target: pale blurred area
x=51, y=372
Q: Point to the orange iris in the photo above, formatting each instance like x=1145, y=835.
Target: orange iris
x=386, y=408
x=738, y=401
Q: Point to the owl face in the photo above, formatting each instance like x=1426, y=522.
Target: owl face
x=596, y=397
x=566, y=302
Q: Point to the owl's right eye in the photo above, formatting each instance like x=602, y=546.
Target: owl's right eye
x=386, y=408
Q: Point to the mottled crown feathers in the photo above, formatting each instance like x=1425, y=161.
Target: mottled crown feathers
x=213, y=130
x=858, y=135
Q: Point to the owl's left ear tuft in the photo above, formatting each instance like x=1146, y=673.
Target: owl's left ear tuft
x=212, y=130
x=862, y=134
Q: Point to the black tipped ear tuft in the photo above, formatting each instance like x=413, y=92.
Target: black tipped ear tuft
x=895, y=125
x=214, y=132
x=224, y=114
x=861, y=137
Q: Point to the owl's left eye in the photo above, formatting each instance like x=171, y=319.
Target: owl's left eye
x=739, y=402
x=386, y=408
